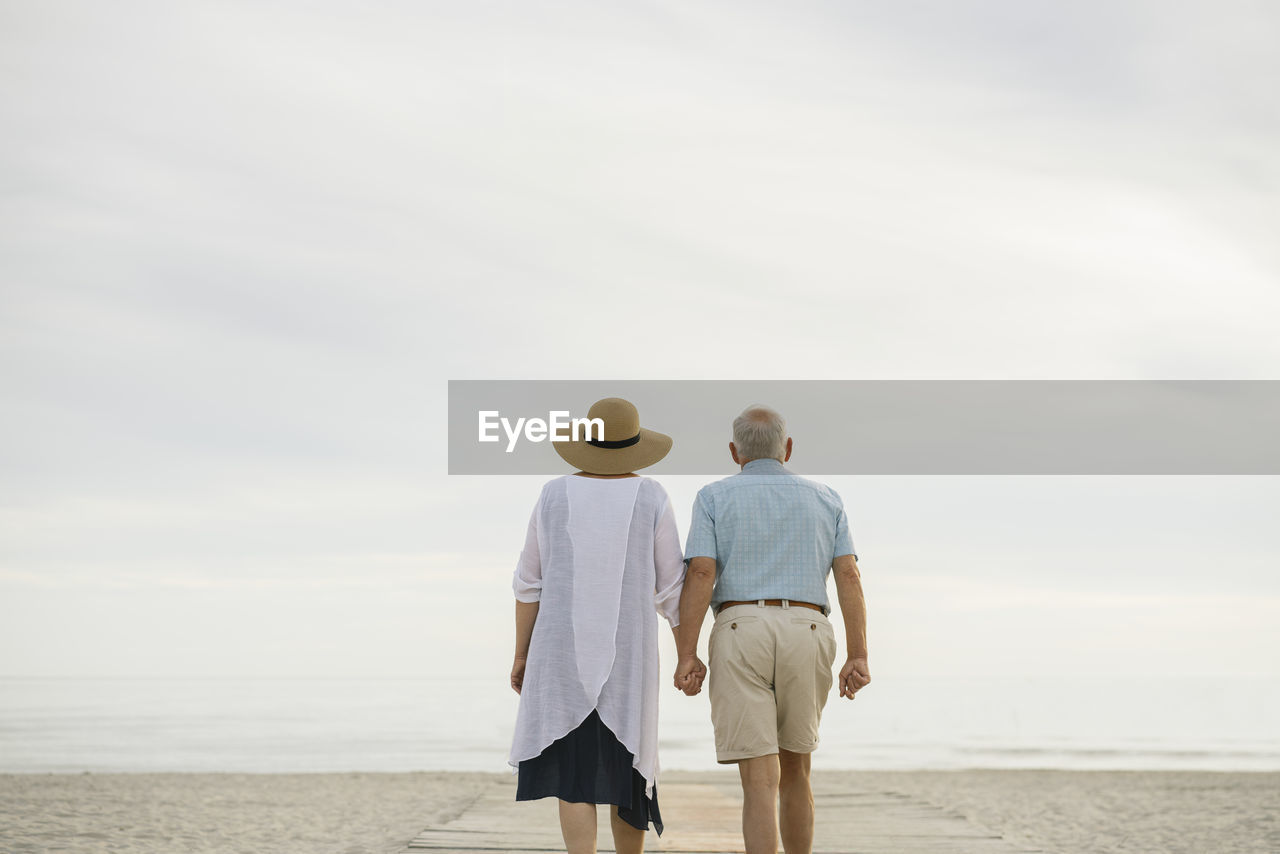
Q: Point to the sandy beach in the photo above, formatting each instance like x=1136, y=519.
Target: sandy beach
x=1076, y=812
x=1065, y=812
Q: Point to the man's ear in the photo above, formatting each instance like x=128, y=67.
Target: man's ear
x=788, y=454
x=733, y=452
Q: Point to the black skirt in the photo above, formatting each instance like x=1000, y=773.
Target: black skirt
x=590, y=766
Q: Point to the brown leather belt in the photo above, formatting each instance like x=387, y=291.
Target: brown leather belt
x=775, y=602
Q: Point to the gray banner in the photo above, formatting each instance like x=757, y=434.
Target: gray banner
x=1090, y=427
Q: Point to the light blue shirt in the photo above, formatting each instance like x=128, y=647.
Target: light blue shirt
x=773, y=535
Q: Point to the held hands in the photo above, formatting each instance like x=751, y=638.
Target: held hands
x=854, y=675
x=690, y=673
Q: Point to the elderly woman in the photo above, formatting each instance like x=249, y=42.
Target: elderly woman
x=601, y=555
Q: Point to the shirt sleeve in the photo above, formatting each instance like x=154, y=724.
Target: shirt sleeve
x=668, y=566
x=702, y=530
x=844, y=541
x=527, y=581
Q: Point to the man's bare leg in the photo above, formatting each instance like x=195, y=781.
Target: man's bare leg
x=760, y=803
x=578, y=827
x=795, y=802
x=626, y=839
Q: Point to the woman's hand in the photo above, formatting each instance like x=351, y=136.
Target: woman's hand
x=690, y=673
x=517, y=674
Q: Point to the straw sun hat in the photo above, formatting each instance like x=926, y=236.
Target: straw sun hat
x=626, y=445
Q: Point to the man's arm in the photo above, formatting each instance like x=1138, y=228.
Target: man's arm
x=853, y=607
x=695, y=598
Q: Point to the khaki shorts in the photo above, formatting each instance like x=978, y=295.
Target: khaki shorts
x=769, y=677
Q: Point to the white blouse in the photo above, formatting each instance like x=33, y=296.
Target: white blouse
x=600, y=555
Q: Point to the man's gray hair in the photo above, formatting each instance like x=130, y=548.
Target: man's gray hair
x=760, y=433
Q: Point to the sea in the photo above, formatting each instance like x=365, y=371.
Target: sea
x=261, y=725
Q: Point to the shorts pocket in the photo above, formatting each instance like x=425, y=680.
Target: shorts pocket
x=719, y=627
x=733, y=624
x=823, y=632
x=815, y=624
x=743, y=644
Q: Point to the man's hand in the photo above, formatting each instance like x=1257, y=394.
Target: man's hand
x=690, y=673
x=854, y=675
x=517, y=675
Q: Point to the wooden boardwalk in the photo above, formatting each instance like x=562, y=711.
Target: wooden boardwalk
x=702, y=813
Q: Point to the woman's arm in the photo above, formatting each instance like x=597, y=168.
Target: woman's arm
x=526, y=616
x=668, y=565
x=527, y=584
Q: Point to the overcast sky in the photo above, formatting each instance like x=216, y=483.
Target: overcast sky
x=246, y=245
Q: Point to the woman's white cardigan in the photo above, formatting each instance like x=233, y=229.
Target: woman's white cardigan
x=600, y=556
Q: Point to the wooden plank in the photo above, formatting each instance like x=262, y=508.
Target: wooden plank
x=697, y=818
x=702, y=814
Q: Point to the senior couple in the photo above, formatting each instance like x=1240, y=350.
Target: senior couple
x=602, y=555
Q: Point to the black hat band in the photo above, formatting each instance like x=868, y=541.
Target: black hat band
x=621, y=443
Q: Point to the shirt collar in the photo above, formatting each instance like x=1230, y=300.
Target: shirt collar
x=763, y=466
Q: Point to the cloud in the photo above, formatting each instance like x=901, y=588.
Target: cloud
x=246, y=247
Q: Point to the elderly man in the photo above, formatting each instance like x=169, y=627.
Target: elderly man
x=759, y=549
